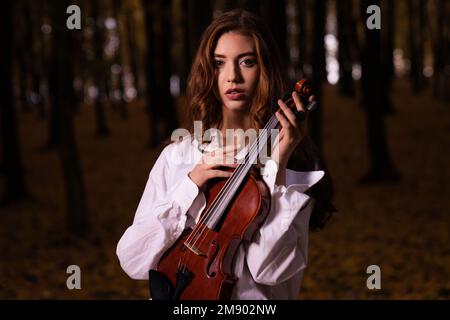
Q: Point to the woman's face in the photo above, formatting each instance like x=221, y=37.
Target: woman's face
x=237, y=70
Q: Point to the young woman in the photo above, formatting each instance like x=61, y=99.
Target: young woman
x=234, y=79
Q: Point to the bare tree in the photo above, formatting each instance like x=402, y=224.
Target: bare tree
x=159, y=103
x=441, y=49
x=132, y=46
x=119, y=101
x=100, y=72
x=199, y=15
x=318, y=69
x=274, y=13
x=63, y=94
x=34, y=12
x=416, y=43
x=301, y=23
x=374, y=95
x=195, y=18
x=15, y=187
x=346, y=25
x=387, y=55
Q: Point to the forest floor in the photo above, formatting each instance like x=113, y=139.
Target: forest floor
x=401, y=227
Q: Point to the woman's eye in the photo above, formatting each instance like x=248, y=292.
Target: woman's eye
x=218, y=63
x=248, y=62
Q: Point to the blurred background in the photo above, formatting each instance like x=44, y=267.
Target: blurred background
x=84, y=114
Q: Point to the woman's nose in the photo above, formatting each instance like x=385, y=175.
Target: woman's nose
x=233, y=73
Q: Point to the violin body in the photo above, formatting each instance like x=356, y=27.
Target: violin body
x=211, y=263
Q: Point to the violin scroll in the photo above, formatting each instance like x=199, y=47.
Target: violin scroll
x=304, y=89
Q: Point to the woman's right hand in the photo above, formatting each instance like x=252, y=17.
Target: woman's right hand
x=208, y=166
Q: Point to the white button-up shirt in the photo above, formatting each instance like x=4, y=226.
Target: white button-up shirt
x=269, y=267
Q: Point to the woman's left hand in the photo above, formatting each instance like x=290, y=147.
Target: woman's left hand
x=292, y=130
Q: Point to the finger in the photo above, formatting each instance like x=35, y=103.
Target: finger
x=287, y=112
x=298, y=102
x=220, y=174
x=283, y=120
x=223, y=164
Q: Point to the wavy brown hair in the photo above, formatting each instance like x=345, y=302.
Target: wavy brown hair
x=204, y=104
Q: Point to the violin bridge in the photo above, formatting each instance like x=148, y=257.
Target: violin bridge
x=195, y=250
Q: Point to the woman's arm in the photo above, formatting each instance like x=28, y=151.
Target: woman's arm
x=159, y=220
x=279, y=249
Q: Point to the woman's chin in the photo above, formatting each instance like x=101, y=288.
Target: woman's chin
x=236, y=105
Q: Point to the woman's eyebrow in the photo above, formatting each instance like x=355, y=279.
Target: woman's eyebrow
x=249, y=53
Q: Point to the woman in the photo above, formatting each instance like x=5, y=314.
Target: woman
x=235, y=77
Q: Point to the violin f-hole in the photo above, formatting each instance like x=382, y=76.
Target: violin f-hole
x=212, y=254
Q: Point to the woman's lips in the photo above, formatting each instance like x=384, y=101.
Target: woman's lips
x=235, y=95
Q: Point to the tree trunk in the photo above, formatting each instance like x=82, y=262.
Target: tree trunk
x=199, y=17
x=53, y=138
x=44, y=50
x=441, y=50
x=387, y=58
x=374, y=94
x=99, y=74
x=15, y=187
x=21, y=45
x=119, y=101
x=34, y=13
x=345, y=24
x=390, y=38
x=318, y=69
x=165, y=104
x=150, y=73
x=133, y=51
x=416, y=45
x=160, y=107
x=64, y=97
x=274, y=13
x=302, y=37
x=196, y=16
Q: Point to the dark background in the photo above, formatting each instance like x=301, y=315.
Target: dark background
x=84, y=114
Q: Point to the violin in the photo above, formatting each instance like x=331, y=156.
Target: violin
x=199, y=264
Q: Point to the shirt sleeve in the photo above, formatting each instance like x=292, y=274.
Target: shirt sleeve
x=279, y=249
x=159, y=220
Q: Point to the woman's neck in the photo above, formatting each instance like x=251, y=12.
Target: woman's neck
x=234, y=120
